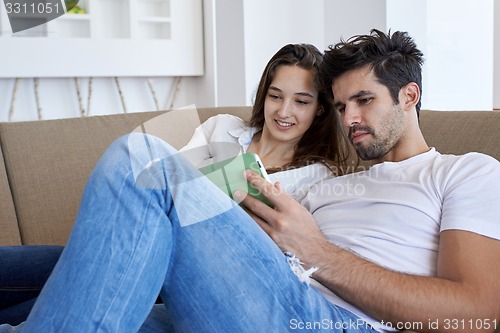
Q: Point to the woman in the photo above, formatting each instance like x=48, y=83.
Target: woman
x=293, y=129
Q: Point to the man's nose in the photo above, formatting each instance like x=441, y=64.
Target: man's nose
x=351, y=116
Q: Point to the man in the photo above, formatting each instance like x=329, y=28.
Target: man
x=415, y=238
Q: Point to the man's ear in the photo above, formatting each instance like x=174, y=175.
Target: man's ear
x=410, y=95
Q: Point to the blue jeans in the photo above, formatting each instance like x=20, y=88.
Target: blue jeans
x=215, y=269
x=23, y=272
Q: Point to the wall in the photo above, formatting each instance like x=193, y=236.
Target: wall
x=224, y=81
x=58, y=97
x=456, y=38
x=269, y=25
x=460, y=54
x=457, y=41
x=344, y=19
x=222, y=84
x=400, y=17
x=48, y=97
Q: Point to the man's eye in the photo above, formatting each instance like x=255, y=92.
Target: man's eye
x=341, y=110
x=365, y=100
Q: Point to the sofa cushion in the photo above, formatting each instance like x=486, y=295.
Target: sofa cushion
x=244, y=112
x=8, y=222
x=48, y=163
x=460, y=132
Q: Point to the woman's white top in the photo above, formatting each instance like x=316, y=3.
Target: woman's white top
x=224, y=136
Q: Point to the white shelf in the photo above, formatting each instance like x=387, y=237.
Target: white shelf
x=75, y=17
x=154, y=19
x=112, y=38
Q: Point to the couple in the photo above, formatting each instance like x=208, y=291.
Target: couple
x=414, y=239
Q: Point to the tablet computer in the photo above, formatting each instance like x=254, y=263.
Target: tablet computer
x=228, y=175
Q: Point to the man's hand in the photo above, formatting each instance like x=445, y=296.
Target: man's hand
x=289, y=224
x=466, y=286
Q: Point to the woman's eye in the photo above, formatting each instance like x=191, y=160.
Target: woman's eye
x=302, y=102
x=274, y=96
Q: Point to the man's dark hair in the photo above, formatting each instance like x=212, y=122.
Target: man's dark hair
x=395, y=60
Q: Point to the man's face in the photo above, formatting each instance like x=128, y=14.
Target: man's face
x=374, y=123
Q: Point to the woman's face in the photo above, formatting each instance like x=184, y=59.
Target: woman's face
x=291, y=104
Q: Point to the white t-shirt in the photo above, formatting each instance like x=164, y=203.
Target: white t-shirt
x=224, y=136
x=393, y=213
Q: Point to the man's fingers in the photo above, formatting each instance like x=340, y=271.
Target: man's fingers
x=263, y=224
x=255, y=206
x=270, y=191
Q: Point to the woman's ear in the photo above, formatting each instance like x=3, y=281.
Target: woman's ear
x=320, y=111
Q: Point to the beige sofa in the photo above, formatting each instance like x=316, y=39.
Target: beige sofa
x=44, y=165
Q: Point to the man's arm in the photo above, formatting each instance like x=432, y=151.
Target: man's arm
x=463, y=296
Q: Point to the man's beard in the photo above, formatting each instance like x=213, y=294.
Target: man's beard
x=381, y=144
x=375, y=151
